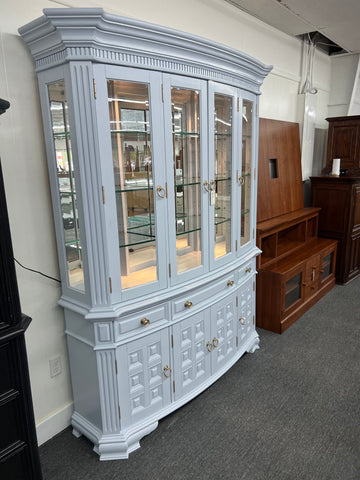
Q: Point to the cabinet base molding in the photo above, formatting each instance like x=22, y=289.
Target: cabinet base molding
x=118, y=446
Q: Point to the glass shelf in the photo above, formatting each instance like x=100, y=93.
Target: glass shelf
x=136, y=132
x=134, y=239
x=187, y=224
x=61, y=135
x=186, y=134
x=220, y=220
x=222, y=179
x=135, y=185
x=223, y=134
x=75, y=243
x=186, y=181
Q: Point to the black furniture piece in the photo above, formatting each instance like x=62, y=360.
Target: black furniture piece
x=19, y=457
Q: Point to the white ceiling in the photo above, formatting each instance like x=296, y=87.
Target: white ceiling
x=337, y=20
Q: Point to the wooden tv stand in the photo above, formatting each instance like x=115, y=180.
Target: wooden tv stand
x=295, y=269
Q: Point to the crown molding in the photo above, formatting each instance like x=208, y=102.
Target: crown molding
x=90, y=34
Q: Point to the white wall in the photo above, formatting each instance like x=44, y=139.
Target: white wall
x=24, y=164
x=343, y=73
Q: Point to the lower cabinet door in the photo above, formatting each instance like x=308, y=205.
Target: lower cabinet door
x=246, y=324
x=312, y=276
x=192, y=363
x=224, y=331
x=145, y=376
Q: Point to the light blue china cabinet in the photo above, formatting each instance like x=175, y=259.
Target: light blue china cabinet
x=151, y=138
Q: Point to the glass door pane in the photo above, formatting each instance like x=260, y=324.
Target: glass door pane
x=293, y=290
x=327, y=266
x=66, y=184
x=132, y=163
x=247, y=125
x=187, y=176
x=222, y=173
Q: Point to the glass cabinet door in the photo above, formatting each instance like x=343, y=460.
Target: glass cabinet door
x=246, y=168
x=222, y=155
x=131, y=140
x=66, y=184
x=184, y=108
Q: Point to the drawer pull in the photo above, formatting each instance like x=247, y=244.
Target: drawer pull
x=215, y=342
x=188, y=304
x=209, y=346
x=230, y=283
x=248, y=269
x=167, y=371
x=145, y=321
x=242, y=320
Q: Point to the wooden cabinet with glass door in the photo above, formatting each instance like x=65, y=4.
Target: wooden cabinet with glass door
x=302, y=278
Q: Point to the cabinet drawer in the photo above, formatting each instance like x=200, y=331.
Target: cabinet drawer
x=198, y=296
x=144, y=320
x=246, y=270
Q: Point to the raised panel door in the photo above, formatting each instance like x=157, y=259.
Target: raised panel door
x=191, y=356
x=224, y=331
x=246, y=312
x=144, y=376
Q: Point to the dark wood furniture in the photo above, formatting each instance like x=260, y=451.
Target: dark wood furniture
x=19, y=458
x=344, y=143
x=296, y=268
x=339, y=200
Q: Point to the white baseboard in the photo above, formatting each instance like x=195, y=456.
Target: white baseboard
x=54, y=423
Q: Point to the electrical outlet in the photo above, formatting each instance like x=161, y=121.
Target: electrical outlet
x=55, y=366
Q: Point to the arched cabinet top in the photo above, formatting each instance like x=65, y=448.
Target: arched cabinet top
x=62, y=35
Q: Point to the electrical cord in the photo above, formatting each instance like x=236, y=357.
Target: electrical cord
x=36, y=271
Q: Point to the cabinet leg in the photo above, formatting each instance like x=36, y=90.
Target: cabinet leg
x=76, y=433
x=254, y=346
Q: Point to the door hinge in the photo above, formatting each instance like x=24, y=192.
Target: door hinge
x=94, y=88
x=238, y=104
x=110, y=284
x=236, y=245
x=237, y=301
x=237, y=341
x=103, y=194
x=254, y=173
x=253, y=233
x=169, y=270
x=119, y=412
x=116, y=370
x=254, y=287
x=162, y=92
x=174, y=386
x=172, y=341
x=254, y=319
x=257, y=109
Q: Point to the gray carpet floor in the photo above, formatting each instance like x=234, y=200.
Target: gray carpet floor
x=290, y=411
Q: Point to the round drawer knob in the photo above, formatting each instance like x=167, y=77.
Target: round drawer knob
x=230, y=283
x=248, y=269
x=145, y=321
x=215, y=342
x=188, y=304
x=209, y=346
x=167, y=371
x=242, y=320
